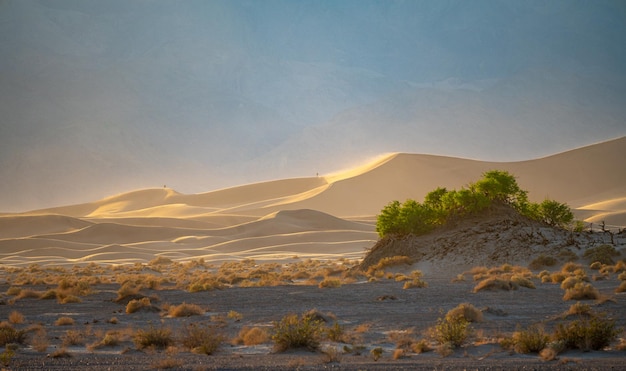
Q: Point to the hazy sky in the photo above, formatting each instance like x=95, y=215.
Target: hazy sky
x=100, y=97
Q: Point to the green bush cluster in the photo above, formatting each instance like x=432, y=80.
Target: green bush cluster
x=441, y=205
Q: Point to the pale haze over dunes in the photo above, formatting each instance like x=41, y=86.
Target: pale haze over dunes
x=317, y=217
x=103, y=97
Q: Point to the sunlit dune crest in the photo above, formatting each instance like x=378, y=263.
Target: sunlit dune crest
x=327, y=216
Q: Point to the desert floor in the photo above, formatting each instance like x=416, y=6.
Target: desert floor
x=370, y=322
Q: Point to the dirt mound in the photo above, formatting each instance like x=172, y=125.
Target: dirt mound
x=494, y=236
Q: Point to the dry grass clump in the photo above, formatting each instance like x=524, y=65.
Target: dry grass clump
x=252, y=336
x=13, y=291
x=202, y=339
x=530, y=340
x=153, y=337
x=595, y=266
x=29, y=294
x=389, y=262
x=143, y=304
x=403, y=339
x=73, y=337
x=64, y=321
x=578, y=309
x=110, y=339
x=234, y=315
x=294, y=331
x=522, y=281
x=570, y=282
x=185, y=310
x=205, y=284
x=160, y=260
x=421, y=346
x=466, y=311
x=16, y=317
x=40, y=341
x=330, y=283
x=127, y=290
x=581, y=291
x=414, y=283
x=571, y=267
x=495, y=283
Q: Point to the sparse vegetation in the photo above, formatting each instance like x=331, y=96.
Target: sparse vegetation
x=202, y=339
x=466, y=311
x=581, y=291
x=9, y=335
x=603, y=254
x=587, y=334
x=64, y=321
x=153, y=337
x=442, y=205
x=16, y=317
x=530, y=340
x=252, y=336
x=294, y=331
x=185, y=310
x=454, y=331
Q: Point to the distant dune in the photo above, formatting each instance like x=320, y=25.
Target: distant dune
x=321, y=217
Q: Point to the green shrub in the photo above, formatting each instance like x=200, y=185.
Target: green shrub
x=531, y=340
x=554, y=213
x=452, y=331
x=587, y=334
x=441, y=205
x=293, y=331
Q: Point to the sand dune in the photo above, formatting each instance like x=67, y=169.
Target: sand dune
x=327, y=216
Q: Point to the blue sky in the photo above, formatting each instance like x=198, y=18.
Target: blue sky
x=101, y=97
